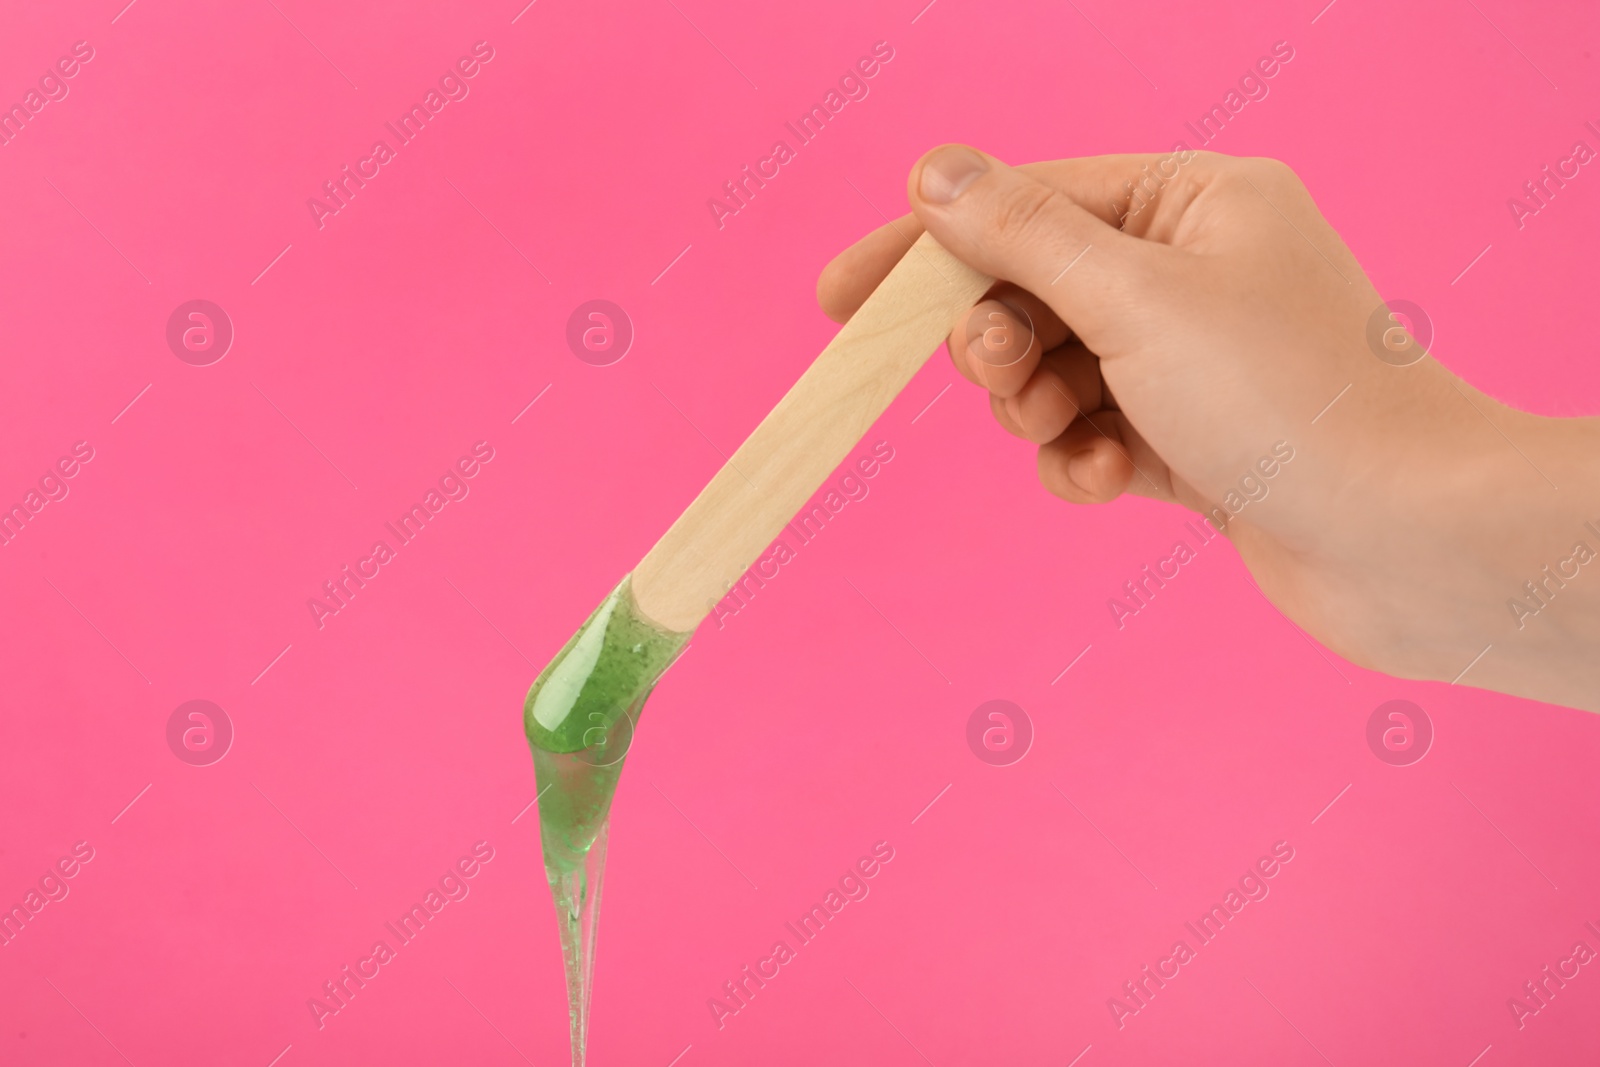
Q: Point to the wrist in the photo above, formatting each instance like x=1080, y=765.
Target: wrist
x=1528, y=557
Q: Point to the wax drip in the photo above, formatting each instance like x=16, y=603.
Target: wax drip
x=577, y=897
x=580, y=716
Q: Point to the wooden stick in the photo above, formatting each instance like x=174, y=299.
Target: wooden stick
x=802, y=440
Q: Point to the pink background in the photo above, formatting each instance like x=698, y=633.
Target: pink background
x=375, y=751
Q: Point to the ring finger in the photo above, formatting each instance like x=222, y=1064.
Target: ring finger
x=1066, y=383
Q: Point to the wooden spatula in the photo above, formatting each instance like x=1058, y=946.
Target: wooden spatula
x=805, y=437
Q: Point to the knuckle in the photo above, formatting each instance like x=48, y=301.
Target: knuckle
x=1210, y=164
x=1021, y=207
x=1275, y=171
x=1248, y=179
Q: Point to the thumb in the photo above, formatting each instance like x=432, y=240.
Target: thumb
x=1010, y=225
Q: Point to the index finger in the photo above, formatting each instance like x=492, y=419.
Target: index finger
x=852, y=275
x=1106, y=186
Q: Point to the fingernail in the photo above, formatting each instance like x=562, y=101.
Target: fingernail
x=1014, y=409
x=1080, y=469
x=979, y=368
x=947, y=173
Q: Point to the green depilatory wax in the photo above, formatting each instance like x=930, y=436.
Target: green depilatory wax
x=579, y=717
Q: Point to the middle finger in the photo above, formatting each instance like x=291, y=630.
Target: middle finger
x=998, y=342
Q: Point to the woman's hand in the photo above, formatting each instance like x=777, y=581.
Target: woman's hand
x=1189, y=327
